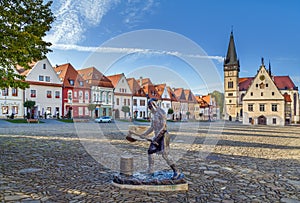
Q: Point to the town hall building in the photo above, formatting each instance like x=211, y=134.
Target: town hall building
x=264, y=99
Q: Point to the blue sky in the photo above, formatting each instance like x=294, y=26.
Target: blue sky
x=262, y=28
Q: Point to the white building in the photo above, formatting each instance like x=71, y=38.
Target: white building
x=45, y=89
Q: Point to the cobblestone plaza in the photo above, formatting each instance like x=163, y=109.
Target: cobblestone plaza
x=224, y=162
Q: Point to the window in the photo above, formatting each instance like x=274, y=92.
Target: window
x=32, y=93
x=261, y=107
x=124, y=102
x=48, y=111
x=229, y=100
x=274, y=107
x=41, y=78
x=5, y=92
x=250, y=107
x=75, y=94
x=251, y=93
x=267, y=85
x=47, y=78
x=230, y=94
x=274, y=120
x=118, y=101
x=128, y=102
x=134, y=102
x=44, y=66
x=256, y=85
x=49, y=94
x=142, y=102
x=230, y=84
x=15, y=109
x=14, y=92
x=250, y=120
x=86, y=96
x=57, y=94
x=273, y=93
x=4, y=109
x=70, y=98
x=81, y=83
x=71, y=82
x=261, y=94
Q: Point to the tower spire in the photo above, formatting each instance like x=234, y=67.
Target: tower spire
x=231, y=57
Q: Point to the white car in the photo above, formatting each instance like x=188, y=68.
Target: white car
x=103, y=119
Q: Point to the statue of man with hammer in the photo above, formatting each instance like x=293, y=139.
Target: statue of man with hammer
x=160, y=140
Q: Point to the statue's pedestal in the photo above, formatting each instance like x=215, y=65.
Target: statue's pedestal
x=158, y=181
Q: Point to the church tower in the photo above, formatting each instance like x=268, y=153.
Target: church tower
x=231, y=81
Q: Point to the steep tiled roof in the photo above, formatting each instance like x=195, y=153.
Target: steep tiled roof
x=201, y=102
x=281, y=82
x=95, y=77
x=284, y=82
x=115, y=78
x=172, y=94
x=287, y=97
x=135, y=87
x=179, y=92
x=67, y=73
x=244, y=83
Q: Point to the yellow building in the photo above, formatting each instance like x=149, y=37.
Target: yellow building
x=264, y=99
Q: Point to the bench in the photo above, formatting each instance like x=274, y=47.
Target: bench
x=32, y=120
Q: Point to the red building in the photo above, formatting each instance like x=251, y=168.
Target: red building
x=76, y=93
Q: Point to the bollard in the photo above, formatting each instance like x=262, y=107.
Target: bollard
x=126, y=165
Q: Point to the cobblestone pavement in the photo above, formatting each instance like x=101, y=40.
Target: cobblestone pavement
x=51, y=162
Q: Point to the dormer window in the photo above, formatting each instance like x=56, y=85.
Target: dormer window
x=71, y=82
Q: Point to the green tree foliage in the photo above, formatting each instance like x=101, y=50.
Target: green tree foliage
x=23, y=24
x=91, y=107
x=219, y=99
x=170, y=111
x=29, y=105
x=125, y=109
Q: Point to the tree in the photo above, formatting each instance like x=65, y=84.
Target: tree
x=170, y=111
x=91, y=107
x=188, y=114
x=29, y=105
x=219, y=99
x=23, y=24
x=125, y=109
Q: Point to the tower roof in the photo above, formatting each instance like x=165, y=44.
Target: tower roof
x=231, y=57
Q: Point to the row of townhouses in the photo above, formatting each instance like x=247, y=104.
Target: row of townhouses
x=64, y=92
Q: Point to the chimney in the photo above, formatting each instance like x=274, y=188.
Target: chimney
x=141, y=81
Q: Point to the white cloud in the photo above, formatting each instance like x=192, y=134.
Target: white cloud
x=73, y=18
x=131, y=50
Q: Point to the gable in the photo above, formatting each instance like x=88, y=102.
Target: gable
x=122, y=85
x=263, y=87
x=42, y=71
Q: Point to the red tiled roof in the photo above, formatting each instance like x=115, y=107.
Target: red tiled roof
x=284, y=82
x=287, y=97
x=115, y=78
x=244, y=83
x=95, y=77
x=135, y=87
x=66, y=73
x=172, y=94
x=281, y=82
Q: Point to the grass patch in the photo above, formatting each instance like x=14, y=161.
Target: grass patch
x=20, y=121
x=66, y=120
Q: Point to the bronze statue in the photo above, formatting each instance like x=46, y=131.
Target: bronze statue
x=160, y=141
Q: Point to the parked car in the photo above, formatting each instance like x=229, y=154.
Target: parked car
x=103, y=119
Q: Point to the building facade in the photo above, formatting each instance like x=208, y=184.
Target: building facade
x=264, y=99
